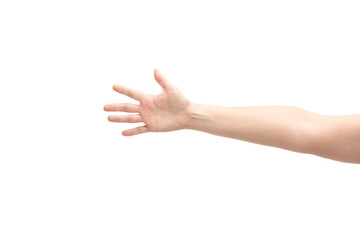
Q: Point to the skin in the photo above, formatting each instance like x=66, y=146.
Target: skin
x=290, y=128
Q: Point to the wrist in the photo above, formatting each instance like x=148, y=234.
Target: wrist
x=196, y=116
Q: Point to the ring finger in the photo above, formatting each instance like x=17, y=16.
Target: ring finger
x=131, y=118
x=121, y=107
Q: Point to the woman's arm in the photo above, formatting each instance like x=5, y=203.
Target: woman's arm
x=295, y=129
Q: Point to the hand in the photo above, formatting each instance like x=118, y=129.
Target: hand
x=167, y=111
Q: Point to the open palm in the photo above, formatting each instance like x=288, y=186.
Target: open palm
x=167, y=111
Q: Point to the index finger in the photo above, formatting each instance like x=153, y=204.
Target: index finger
x=130, y=92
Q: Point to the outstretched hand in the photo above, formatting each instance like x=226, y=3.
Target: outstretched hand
x=167, y=111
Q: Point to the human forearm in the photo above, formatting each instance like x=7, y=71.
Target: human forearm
x=278, y=126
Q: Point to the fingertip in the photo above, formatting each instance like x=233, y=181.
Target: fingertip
x=106, y=107
x=125, y=133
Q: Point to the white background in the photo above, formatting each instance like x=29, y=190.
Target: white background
x=67, y=173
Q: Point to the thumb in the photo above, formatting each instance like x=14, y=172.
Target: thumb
x=161, y=80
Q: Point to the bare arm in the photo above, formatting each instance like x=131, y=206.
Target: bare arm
x=295, y=129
